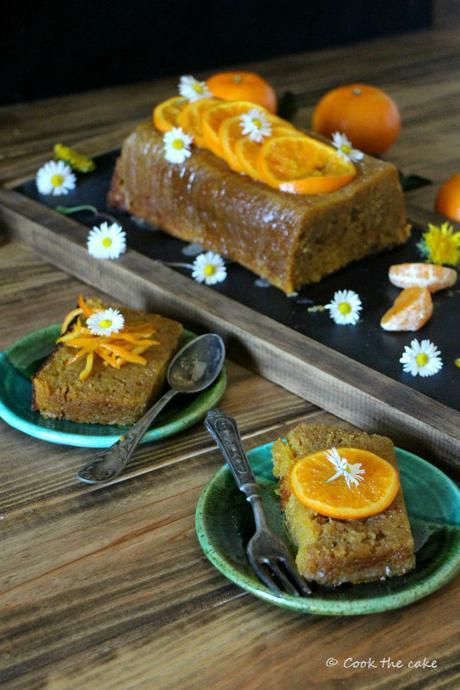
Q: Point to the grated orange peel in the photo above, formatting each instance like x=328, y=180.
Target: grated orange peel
x=116, y=350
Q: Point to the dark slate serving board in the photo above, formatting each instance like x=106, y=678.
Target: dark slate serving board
x=366, y=342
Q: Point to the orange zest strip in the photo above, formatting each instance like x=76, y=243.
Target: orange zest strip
x=88, y=367
x=69, y=318
x=83, y=306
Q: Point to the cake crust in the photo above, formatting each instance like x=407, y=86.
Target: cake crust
x=108, y=396
x=330, y=551
x=288, y=239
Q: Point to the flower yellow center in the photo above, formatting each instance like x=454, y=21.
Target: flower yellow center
x=345, y=148
x=257, y=123
x=105, y=323
x=457, y=362
x=344, y=308
x=422, y=359
x=209, y=270
x=106, y=242
x=198, y=88
x=178, y=144
x=57, y=180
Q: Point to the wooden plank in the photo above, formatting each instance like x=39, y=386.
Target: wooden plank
x=324, y=377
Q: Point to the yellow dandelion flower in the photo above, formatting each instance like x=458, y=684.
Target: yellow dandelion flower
x=76, y=160
x=441, y=244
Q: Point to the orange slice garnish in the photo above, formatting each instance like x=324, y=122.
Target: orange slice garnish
x=313, y=486
x=429, y=276
x=410, y=311
x=190, y=118
x=239, y=151
x=213, y=118
x=287, y=162
x=165, y=114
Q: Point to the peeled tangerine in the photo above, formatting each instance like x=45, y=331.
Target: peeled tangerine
x=410, y=311
x=420, y=275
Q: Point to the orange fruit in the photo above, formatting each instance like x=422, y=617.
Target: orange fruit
x=410, y=311
x=448, y=198
x=190, y=117
x=428, y=276
x=291, y=159
x=366, y=114
x=312, y=485
x=243, y=86
x=213, y=118
x=165, y=114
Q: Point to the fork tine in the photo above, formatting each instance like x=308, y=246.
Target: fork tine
x=299, y=582
x=264, y=576
x=281, y=577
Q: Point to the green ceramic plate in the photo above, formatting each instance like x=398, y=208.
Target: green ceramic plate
x=224, y=525
x=20, y=361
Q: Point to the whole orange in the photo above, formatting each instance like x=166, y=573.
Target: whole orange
x=243, y=86
x=366, y=114
x=448, y=198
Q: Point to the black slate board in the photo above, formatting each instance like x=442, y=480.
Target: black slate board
x=365, y=342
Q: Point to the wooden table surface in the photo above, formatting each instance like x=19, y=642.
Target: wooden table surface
x=107, y=587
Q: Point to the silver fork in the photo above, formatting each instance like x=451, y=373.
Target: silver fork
x=269, y=557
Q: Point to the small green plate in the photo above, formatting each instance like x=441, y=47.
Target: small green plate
x=224, y=525
x=21, y=360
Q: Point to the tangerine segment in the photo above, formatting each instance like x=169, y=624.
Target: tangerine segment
x=410, y=311
x=288, y=158
x=312, y=485
x=429, y=276
x=190, y=118
x=165, y=114
x=213, y=118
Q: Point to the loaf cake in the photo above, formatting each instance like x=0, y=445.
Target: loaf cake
x=288, y=239
x=332, y=551
x=109, y=395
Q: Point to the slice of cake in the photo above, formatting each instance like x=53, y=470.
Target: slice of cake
x=333, y=551
x=289, y=239
x=116, y=391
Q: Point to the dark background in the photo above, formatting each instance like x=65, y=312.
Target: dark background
x=51, y=48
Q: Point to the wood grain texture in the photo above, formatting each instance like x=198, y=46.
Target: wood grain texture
x=107, y=588
x=327, y=378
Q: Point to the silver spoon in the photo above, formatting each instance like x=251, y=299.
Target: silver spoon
x=193, y=369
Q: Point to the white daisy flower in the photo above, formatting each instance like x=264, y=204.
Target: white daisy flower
x=209, y=268
x=106, y=322
x=345, y=147
x=192, y=89
x=344, y=308
x=421, y=359
x=177, y=145
x=106, y=241
x=255, y=124
x=56, y=178
x=351, y=472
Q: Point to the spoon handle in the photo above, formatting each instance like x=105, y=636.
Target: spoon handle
x=109, y=462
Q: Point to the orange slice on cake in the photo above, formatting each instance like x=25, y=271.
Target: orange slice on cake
x=303, y=165
x=165, y=114
x=345, y=483
x=215, y=116
x=190, y=118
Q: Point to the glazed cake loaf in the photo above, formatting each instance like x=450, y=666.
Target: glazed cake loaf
x=108, y=396
x=288, y=239
x=332, y=551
